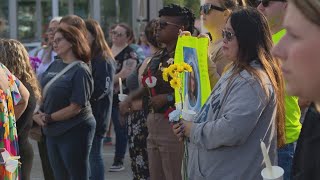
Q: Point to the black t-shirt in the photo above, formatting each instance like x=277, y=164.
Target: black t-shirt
x=101, y=101
x=75, y=86
x=125, y=54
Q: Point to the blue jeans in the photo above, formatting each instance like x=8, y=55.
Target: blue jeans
x=285, y=156
x=69, y=152
x=96, y=159
x=121, y=133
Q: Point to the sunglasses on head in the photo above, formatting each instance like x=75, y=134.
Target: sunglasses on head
x=163, y=24
x=265, y=3
x=227, y=35
x=117, y=34
x=207, y=7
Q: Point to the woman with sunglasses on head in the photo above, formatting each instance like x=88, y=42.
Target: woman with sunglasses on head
x=214, y=14
x=299, y=52
x=103, y=70
x=246, y=106
x=126, y=62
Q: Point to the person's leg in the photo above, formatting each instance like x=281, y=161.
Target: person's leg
x=285, y=157
x=154, y=157
x=138, y=132
x=121, y=141
x=96, y=159
x=75, y=146
x=56, y=160
x=26, y=157
x=43, y=152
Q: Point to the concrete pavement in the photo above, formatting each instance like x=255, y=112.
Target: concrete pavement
x=36, y=173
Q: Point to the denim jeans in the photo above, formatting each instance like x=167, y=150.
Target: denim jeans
x=121, y=133
x=285, y=156
x=96, y=159
x=69, y=152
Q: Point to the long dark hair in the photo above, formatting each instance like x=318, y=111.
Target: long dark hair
x=255, y=43
x=80, y=45
x=99, y=45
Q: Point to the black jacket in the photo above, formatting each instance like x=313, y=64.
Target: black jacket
x=306, y=162
x=101, y=101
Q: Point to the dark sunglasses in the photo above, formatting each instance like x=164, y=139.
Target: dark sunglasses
x=227, y=35
x=163, y=24
x=207, y=7
x=265, y=3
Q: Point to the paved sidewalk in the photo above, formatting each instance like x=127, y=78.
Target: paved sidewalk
x=36, y=173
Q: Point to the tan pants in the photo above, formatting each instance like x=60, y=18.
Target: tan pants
x=165, y=152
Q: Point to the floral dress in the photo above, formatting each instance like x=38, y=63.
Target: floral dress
x=8, y=132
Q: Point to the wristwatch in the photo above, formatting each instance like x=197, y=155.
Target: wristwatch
x=170, y=98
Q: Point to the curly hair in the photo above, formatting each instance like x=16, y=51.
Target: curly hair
x=185, y=13
x=15, y=57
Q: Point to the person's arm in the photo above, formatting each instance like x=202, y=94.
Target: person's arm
x=103, y=80
x=242, y=111
x=21, y=106
x=66, y=113
x=128, y=67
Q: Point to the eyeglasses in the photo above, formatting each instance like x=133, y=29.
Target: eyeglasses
x=227, y=35
x=163, y=24
x=57, y=40
x=207, y=7
x=117, y=34
x=265, y=3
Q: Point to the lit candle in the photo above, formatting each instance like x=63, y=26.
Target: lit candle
x=266, y=157
x=120, y=86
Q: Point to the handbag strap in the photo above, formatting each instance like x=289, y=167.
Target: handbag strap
x=64, y=70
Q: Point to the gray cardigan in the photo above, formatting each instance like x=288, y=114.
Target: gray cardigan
x=225, y=138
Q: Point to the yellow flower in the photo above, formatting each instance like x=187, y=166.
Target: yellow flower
x=175, y=83
x=165, y=74
x=173, y=71
x=180, y=68
x=187, y=67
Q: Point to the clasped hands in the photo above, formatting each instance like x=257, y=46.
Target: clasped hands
x=41, y=118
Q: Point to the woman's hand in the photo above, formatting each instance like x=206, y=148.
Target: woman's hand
x=203, y=35
x=178, y=130
x=39, y=118
x=184, y=33
x=125, y=107
x=181, y=129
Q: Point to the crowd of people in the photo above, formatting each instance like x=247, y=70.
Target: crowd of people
x=262, y=67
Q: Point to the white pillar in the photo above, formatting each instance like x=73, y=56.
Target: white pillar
x=70, y=7
x=96, y=10
x=13, y=19
x=38, y=20
x=154, y=8
x=55, y=8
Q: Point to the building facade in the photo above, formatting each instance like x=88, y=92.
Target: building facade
x=27, y=20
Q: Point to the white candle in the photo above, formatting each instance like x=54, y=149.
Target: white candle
x=186, y=103
x=120, y=86
x=266, y=157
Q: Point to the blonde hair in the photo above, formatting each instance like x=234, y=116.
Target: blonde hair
x=15, y=57
x=310, y=9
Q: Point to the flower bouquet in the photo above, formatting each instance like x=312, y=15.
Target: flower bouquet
x=174, y=74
